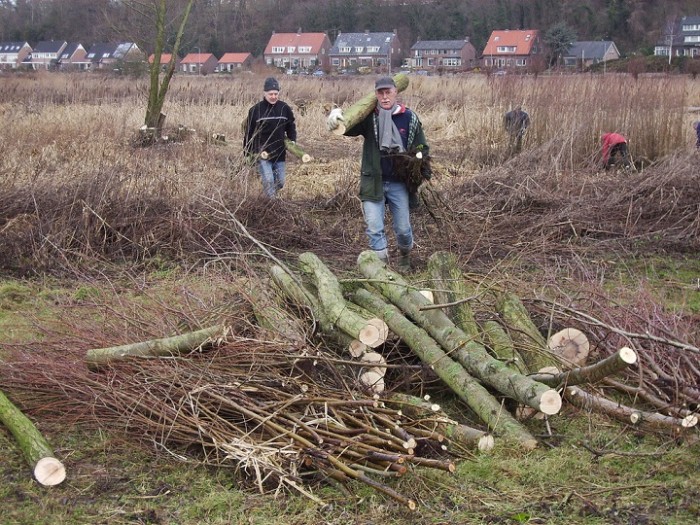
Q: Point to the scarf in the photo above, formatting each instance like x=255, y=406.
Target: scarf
x=388, y=134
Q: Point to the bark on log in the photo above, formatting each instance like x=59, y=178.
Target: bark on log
x=294, y=149
x=463, y=435
x=502, y=347
x=472, y=355
x=450, y=287
x=528, y=340
x=271, y=316
x=363, y=107
x=617, y=362
x=168, y=346
x=46, y=468
x=453, y=374
x=648, y=420
x=332, y=302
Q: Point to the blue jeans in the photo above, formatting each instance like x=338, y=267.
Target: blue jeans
x=396, y=196
x=272, y=174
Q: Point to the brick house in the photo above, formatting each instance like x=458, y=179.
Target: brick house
x=298, y=50
x=681, y=38
x=73, y=54
x=455, y=55
x=107, y=56
x=165, y=60
x=512, y=49
x=373, y=50
x=45, y=54
x=12, y=54
x=586, y=53
x=198, y=63
x=231, y=62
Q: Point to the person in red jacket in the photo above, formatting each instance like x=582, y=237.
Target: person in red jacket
x=615, y=152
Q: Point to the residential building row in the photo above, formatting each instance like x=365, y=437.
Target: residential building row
x=300, y=51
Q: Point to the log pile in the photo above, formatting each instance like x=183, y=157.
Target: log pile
x=314, y=397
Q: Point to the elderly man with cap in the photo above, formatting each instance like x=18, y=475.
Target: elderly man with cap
x=268, y=123
x=390, y=132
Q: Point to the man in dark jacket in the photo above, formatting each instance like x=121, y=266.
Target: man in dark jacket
x=516, y=123
x=268, y=123
x=391, y=133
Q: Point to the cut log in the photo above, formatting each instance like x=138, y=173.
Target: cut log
x=617, y=362
x=363, y=107
x=336, y=311
x=294, y=149
x=452, y=373
x=451, y=289
x=168, y=346
x=648, y=420
x=46, y=468
x=570, y=346
x=502, y=346
x=271, y=316
x=375, y=361
x=374, y=381
x=528, y=340
x=472, y=355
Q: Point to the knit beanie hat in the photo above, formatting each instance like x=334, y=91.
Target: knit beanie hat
x=271, y=84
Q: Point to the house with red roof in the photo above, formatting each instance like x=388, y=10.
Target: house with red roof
x=298, y=50
x=165, y=60
x=231, y=62
x=198, y=63
x=514, y=49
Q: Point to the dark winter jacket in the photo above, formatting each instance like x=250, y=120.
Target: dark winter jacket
x=266, y=127
x=376, y=166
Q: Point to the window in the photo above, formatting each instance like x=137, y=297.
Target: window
x=520, y=62
x=689, y=39
x=451, y=62
x=691, y=27
x=291, y=49
x=277, y=49
x=304, y=49
x=345, y=49
x=506, y=49
x=359, y=49
x=373, y=49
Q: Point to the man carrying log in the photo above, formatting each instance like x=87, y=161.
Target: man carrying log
x=394, y=162
x=268, y=123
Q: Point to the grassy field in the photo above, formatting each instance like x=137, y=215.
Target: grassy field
x=105, y=243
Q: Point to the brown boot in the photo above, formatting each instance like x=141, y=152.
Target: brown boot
x=404, y=264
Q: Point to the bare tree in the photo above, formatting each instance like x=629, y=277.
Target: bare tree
x=161, y=17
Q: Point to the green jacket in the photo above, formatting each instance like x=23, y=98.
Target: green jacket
x=371, y=188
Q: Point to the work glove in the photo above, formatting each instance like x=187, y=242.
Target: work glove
x=335, y=117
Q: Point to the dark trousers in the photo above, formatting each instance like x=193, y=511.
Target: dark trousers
x=619, y=156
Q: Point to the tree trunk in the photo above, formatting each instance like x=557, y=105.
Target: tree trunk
x=453, y=374
x=271, y=316
x=620, y=360
x=472, y=355
x=371, y=332
x=451, y=289
x=502, y=347
x=649, y=420
x=167, y=346
x=294, y=149
x=46, y=468
x=463, y=435
x=363, y=107
x=528, y=340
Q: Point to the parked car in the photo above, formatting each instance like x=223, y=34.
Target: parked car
x=318, y=73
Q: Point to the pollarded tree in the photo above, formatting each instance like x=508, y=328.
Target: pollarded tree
x=155, y=23
x=559, y=39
